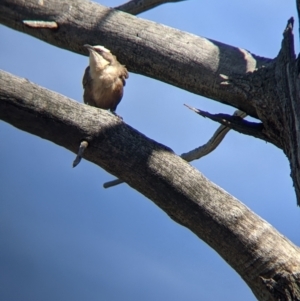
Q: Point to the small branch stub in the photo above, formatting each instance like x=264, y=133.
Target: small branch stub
x=41, y=24
x=112, y=183
x=283, y=286
x=82, y=148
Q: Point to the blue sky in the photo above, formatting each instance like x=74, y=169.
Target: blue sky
x=64, y=237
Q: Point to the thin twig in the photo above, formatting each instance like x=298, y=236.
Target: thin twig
x=255, y=129
x=198, y=152
x=212, y=143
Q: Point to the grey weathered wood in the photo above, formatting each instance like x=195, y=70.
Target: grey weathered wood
x=212, y=143
x=263, y=88
x=167, y=54
x=198, y=152
x=263, y=257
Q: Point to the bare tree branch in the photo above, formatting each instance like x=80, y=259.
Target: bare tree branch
x=242, y=238
x=136, y=7
x=266, y=260
x=236, y=123
x=199, y=152
x=227, y=74
x=213, y=142
x=178, y=58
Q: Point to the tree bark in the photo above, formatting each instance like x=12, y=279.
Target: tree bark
x=263, y=258
x=181, y=59
x=263, y=88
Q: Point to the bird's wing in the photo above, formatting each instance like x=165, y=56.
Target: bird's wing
x=123, y=74
x=87, y=83
x=86, y=77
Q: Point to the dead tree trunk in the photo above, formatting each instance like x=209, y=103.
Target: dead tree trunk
x=263, y=88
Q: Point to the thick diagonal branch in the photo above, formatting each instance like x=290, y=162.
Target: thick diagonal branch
x=236, y=233
x=198, y=152
x=178, y=58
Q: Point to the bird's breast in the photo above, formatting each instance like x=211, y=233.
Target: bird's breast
x=107, y=88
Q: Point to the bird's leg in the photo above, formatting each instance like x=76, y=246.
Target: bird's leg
x=83, y=145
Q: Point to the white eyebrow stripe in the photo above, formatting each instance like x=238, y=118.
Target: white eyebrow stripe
x=99, y=47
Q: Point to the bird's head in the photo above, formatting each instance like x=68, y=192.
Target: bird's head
x=97, y=48
x=99, y=56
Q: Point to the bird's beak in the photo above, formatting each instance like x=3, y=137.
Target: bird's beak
x=89, y=47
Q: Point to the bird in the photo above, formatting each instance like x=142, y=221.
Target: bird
x=104, y=79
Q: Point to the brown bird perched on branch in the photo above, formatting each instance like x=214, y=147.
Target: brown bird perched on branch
x=104, y=79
